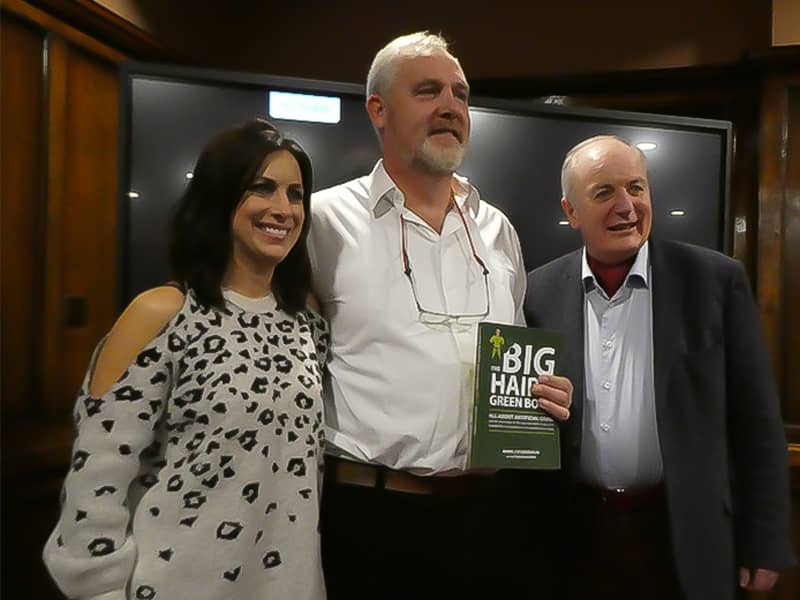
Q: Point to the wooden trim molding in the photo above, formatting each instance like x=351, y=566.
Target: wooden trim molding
x=748, y=71
x=794, y=456
x=30, y=13
x=106, y=26
x=51, y=338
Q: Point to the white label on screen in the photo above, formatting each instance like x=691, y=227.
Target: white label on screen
x=305, y=107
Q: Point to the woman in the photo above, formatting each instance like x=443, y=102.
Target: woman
x=196, y=470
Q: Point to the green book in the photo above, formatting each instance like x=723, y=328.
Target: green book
x=509, y=430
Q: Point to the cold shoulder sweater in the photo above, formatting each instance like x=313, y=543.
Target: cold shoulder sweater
x=197, y=475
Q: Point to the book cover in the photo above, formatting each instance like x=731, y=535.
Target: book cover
x=509, y=430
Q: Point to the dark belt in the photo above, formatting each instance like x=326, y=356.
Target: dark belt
x=347, y=472
x=622, y=499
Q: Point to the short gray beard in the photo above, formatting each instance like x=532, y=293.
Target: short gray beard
x=440, y=160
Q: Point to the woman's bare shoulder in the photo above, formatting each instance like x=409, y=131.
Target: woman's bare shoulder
x=143, y=319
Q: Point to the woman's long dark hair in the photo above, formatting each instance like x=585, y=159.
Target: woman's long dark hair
x=200, y=241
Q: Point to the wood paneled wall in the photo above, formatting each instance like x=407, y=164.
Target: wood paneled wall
x=779, y=267
x=81, y=212
x=59, y=152
x=779, y=236
x=21, y=189
x=58, y=147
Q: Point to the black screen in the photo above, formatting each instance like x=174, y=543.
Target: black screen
x=514, y=159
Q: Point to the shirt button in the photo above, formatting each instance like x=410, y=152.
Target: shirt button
x=606, y=385
x=605, y=426
x=607, y=344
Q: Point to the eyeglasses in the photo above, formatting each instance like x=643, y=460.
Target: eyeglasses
x=433, y=317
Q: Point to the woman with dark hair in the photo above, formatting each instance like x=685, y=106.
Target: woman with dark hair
x=196, y=470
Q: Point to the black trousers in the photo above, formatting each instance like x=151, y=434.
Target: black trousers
x=381, y=544
x=621, y=546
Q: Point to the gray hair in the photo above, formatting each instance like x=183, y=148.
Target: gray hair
x=568, y=167
x=384, y=65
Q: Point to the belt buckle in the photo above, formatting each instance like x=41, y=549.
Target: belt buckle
x=615, y=497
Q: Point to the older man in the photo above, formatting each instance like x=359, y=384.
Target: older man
x=406, y=261
x=675, y=452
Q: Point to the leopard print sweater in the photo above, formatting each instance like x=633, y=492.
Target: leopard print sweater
x=198, y=474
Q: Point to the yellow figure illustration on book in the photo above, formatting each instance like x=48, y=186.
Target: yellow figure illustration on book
x=497, y=341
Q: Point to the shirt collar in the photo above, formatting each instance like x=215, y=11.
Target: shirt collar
x=639, y=270
x=385, y=195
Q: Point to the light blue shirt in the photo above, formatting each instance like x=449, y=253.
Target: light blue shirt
x=620, y=446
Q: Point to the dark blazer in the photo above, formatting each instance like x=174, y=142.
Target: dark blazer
x=719, y=423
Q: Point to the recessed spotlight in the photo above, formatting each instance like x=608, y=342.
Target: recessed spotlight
x=677, y=212
x=189, y=175
x=133, y=194
x=563, y=222
x=645, y=146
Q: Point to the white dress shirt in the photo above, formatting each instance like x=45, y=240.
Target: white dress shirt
x=400, y=389
x=620, y=446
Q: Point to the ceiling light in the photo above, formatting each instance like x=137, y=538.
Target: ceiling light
x=645, y=146
x=305, y=107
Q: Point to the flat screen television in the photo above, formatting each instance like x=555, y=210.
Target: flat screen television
x=514, y=158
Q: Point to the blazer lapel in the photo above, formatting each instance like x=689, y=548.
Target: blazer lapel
x=571, y=307
x=667, y=289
